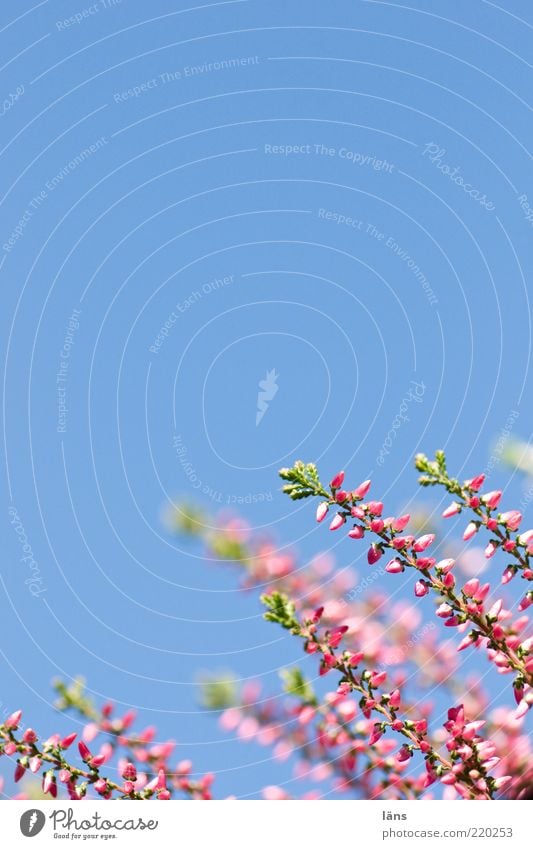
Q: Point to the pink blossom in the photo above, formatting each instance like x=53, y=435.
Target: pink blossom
x=13, y=720
x=401, y=523
x=491, y=550
x=471, y=530
x=395, y=698
x=423, y=542
x=492, y=499
x=452, y=510
x=337, y=522
x=274, y=793
x=421, y=589
x=29, y=736
x=361, y=490
x=394, y=567
x=374, y=554
x=68, y=740
x=357, y=532
x=321, y=511
x=476, y=483
x=471, y=587
x=337, y=481
x=445, y=565
x=512, y=519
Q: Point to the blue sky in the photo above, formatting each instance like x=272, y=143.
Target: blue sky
x=337, y=192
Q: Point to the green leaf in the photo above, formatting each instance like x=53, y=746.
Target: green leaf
x=281, y=610
x=297, y=685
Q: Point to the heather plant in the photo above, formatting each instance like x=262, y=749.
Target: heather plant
x=360, y=716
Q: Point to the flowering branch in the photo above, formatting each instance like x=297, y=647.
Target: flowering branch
x=458, y=610
x=471, y=757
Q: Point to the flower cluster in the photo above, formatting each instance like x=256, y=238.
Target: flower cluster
x=484, y=621
x=141, y=766
x=365, y=722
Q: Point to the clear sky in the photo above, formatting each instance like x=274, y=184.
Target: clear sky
x=338, y=194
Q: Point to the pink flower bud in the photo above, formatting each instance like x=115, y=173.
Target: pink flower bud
x=492, y=499
x=502, y=782
x=475, y=483
x=444, y=610
x=101, y=786
x=452, y=510
x=68, y=740
x=423, y=542
x=129, y=772
x=395, y=698
x=29, y=736
x=466, y=642
x=317, y=615
x=445, y=565
x=375, y=508
x=337, y=481
x=374, y=554
x=377, y=525
x=128, y=787
x=377, y=678
x=13, y=720
x=449, y=581
x=470, y=531
x=403, y=755
x=336, y=636
x=321, y=511
x=10, y=748
x=394, y=567
x=64, y=776
x=421, y=589
x=84, y=751
x=471, y=587
x=424, y=563
x=400, y=523
x=128, y=718
x=483, y=592
x=525, y=538
x=361, y=490
x=357, y=532
x=377, y=734
x=356, y=658
x=491, y=550
x=19, y=772
x=163, y=795
x=49, y=783
x=337, y=522
x=512, y=519
x=341, y=496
